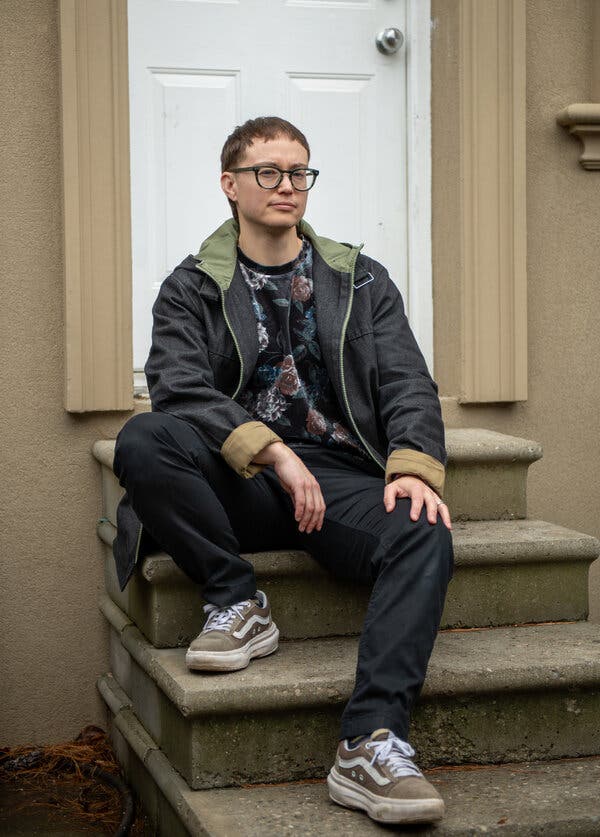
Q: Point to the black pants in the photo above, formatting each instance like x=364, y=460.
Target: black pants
x=204, y=514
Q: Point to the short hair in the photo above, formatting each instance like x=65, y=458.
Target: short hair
x=263, y=127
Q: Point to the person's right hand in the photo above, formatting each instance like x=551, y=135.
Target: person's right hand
x=298, y=482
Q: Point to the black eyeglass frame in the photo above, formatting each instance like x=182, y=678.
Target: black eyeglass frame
x=289, y=172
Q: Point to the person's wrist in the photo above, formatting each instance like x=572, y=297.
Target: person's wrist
x=272, y=453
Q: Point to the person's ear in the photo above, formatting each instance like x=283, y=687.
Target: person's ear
x=229, y=186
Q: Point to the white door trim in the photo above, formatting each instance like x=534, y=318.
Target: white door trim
x=418, y=109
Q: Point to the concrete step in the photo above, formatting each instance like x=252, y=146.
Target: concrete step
x=556, y=799
x=507, y=572
x=487, y=475
x=491, y=695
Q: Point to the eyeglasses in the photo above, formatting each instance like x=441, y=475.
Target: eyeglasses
x=269, y=177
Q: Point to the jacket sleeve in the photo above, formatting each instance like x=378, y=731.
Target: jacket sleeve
x=408, y=400
x=181, y=382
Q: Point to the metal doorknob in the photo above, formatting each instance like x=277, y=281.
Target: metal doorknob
x=389, y=40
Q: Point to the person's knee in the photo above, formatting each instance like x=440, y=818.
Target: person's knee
x=136, y=443
x=429, y=543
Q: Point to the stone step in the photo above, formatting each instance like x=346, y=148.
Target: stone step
x=486, y=478
x=507, y=572
x=491, y=695
x=556, y=799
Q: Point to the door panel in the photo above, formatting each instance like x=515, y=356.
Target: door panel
x=200, y=67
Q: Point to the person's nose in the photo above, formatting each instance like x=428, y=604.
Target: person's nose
x=286, y=184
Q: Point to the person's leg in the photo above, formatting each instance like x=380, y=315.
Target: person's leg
x=197, y=508
x=409, y=564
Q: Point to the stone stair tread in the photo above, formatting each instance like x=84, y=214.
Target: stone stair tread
x=321, y=671
x=471, y=444
x=481, y=542
x=476, y=444
x=556, y=798
x=519, y=799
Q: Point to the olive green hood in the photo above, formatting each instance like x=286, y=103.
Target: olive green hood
x=218, y=254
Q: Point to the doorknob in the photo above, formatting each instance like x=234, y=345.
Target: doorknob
x=389, y=40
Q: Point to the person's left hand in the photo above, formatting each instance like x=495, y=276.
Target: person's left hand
x=420, y=494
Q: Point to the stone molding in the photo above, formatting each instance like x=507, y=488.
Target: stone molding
x=583, y=118
x=583, y=121
x=95, y=131
x=493, y=201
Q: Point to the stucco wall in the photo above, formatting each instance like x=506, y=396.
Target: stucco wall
x=563, y=257
x=53, y=639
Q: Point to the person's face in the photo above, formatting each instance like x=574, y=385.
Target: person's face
x=279, y=208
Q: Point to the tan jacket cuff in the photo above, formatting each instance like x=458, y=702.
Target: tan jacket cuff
x=416, y=464
x=242, y=445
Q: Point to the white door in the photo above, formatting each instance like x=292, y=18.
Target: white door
x=198, y=68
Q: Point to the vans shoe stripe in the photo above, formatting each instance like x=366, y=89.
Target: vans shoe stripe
x=359, y=761
x=260, y=620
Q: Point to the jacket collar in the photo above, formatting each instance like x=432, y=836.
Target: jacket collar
x=218, y=254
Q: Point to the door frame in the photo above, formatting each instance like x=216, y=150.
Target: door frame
x=418, y=174
x=98, y=281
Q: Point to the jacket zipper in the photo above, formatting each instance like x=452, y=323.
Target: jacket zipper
x=137, y=544
x=231, y=331
x=237, y=345
x=342, y=376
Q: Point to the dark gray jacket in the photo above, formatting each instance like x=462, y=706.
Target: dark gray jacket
x=205, y=347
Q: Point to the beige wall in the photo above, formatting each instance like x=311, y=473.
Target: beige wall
x=563, y=273
x=54, y=640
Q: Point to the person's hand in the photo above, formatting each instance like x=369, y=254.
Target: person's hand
x=298, y=482
x=420, y=494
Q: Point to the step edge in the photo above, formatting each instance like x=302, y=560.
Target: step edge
x=179, y=795
x=337, y=690
x=484, y=553
x=472, y=444
x=171, y=784
x=197, y=704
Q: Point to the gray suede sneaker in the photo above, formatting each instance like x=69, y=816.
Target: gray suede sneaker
x=233, y=635
x=377, y=776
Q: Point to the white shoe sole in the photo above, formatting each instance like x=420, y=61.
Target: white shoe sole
x=259, y=646
x=347, y=793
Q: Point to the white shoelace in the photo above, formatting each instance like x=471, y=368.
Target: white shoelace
x=397, y=754
x=222, y=618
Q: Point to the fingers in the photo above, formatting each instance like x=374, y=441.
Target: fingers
x=416, y=505
x=431, y=504
x=316, y=521
x=445, y=515
x=303, y=504
x=309, y=506
x=390, y=492
x=421, y=495
x=305, y=491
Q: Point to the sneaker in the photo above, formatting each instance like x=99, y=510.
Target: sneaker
x=233, y=635
x=376, y=774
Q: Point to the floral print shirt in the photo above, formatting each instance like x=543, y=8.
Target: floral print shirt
x=290, y=390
